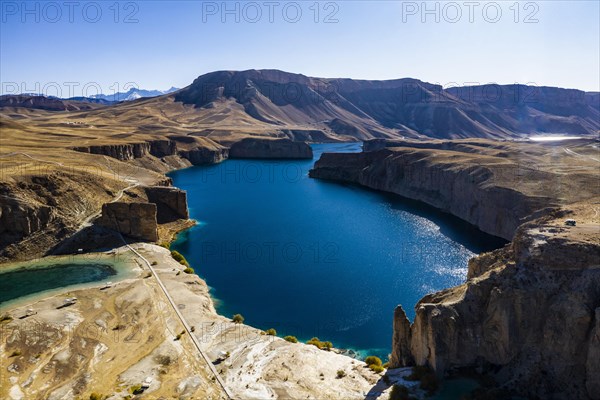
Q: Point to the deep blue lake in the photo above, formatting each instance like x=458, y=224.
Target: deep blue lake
x=316, y=258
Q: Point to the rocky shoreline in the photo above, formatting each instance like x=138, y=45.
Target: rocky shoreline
x=46, y=203
x=528, y=314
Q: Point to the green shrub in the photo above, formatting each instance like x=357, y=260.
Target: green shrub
x=180, y=335
x=271, y=332
x=96, y=396
x=238, y=319
x=319, y=344
x=386, y=365
x=165, y=245
x=6, y=318
x=291, y=339
x=189, y=270
x=376, y=368
x=341, y=373
x=154, y=263
x=16, y=353
x=177, y=256
x=372, y=360
x=136, y=389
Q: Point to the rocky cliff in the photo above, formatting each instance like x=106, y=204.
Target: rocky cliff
x=270, y=148
x=171, y=202
x=136, y=220
x=531, y=324
x=41, y=205
x=459, y=188
x=130, y=151
x=528, y=314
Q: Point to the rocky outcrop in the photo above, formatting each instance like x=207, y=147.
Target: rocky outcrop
x=122, y=152
x=137, y=220
x=19, y=219
x=171, y=203
x=130, y=151
x=204, y=155
x=270, y=148
x=401, y=354
x=462, y=189
x=163, y=148
x=532, y=325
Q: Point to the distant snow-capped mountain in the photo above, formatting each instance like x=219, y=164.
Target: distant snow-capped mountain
x=132, y=94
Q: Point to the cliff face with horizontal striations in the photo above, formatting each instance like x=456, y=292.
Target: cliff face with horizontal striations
x=19, y=219
x=269, y=148
x=532, y=325
x=137, y=220
x=528, y=313
x=171, y=202
x=130, y=151
x=460, y=189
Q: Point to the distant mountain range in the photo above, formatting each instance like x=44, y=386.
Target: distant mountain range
x=131, y=94
x=282, y=104
x=408, y=107
x=104, y=99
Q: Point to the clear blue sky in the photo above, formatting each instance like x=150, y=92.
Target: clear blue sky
x=174, y=42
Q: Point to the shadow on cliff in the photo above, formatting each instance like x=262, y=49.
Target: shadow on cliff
x=93, y=238
x=376, y=391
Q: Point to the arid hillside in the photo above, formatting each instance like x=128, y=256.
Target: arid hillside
x=228, y=105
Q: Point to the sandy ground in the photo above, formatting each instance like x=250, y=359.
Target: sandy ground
x=114, y=339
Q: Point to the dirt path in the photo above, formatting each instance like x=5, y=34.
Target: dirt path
x=183, y=321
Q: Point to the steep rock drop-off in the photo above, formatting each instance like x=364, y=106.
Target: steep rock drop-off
x=270, y=148
x=531, y=326
x=136, y=220
x=528, y=313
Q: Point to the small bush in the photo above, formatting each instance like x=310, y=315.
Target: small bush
x=238, y=319
x=164, y=360
x=137, y=389
x=178, y=337
x=96, y=396
x=154, y=263
x=165, y=245
x=291, y=339
x=271, y=332
x=6, y=318
x=341, y=373
x=386, y=365
x=372, y=360
x=319, y=344
x=376, y=368
x=16, y=353
x=189, y=270
x=177, y=256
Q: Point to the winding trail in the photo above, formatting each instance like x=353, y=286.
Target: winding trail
x=573, y=153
